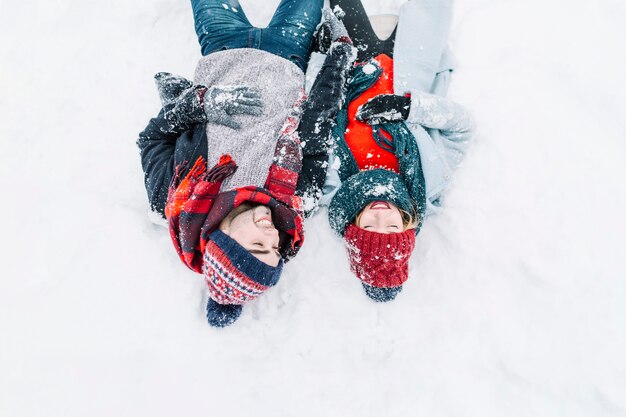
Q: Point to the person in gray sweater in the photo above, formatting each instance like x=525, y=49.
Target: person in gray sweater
x=223, y=160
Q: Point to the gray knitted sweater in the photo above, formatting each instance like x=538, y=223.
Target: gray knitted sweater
x=252, y=147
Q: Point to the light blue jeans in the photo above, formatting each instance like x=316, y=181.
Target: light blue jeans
x=222, y=24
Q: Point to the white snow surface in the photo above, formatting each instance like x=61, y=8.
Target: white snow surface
x=516, y=301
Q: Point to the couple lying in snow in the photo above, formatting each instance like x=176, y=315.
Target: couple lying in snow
x=237, y=158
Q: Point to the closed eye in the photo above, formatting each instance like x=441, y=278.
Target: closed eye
x=258, y=249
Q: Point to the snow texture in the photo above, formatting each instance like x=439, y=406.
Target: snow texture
x=516, y=301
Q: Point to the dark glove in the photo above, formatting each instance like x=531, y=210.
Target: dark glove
x=186, y=104
x=186, y=109
x=221, y=103
x=330, y=30
x=384, y=108
x=170, y=86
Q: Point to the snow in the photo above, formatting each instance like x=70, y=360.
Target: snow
x=516, y=301
x=381, y=189
x=369, y=69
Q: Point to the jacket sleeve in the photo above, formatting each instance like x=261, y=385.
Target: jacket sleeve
x=325, y=99
x=157, y=146
x=436, y=112
x=443, y=130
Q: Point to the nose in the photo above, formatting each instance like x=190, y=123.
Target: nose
x=269, y=237
x=381, y=215
x=264, y=210
x=269, y=231
x=380, y=220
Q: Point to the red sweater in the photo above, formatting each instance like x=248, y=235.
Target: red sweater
x=359, y=136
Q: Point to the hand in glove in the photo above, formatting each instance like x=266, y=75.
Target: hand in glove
x=186, y=104
x=187, y=108
x=384, y=108
x=331, y=30
x=222, y=103
x=170, y=86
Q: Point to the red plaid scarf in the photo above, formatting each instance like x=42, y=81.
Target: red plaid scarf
x=195, y=207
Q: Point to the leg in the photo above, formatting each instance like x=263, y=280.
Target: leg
x=360, y=30
x=220, y=24
x=356, y=20
x=428, y=21
x=290, y=32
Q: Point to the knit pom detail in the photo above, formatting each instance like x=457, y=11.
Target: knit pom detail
x=222, y=315
x=381, y=295
x=379, y=260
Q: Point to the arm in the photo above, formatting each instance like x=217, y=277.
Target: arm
x=157, y=145
x=325, y=100
x=435, y=112
x=186, y=107
x=443, y=130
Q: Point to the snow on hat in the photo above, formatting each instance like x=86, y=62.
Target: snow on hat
x=233, y=276
x=360, y=189
x=380, y=260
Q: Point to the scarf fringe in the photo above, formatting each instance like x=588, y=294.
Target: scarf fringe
x=181, y=190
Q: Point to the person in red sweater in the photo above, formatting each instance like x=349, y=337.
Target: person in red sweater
x=380, y=197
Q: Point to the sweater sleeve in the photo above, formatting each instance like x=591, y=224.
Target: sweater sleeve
x=325, y=99
x=157, y=146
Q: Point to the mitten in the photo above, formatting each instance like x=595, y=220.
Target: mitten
x=384, y=108
x=338, y=32
x=187, y=109
x=321, y=39
x=170, y=86
x=330, y=30
x=221, y=103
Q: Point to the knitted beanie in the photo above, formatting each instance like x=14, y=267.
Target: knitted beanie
x=233, y=276
x=361, y=189
x=380, y=260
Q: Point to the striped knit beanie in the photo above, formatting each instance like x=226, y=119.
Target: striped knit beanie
x=379, y=260
x=233, y=276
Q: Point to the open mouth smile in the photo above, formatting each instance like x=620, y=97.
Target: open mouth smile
x=380, y=205
x=264, y=222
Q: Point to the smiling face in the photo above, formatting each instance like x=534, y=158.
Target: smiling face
x=380, y=217
x=253, y=228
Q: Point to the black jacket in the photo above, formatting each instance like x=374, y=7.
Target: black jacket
x=164, y=146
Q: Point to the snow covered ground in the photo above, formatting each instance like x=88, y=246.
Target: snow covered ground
x=516, y=305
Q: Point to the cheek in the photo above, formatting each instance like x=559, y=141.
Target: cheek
x=397, y=220
x=362, y=219
x=240, y=224
x=242, y=235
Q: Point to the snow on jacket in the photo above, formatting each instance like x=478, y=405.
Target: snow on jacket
x=164, y=146
x=422, y=67
x=281, y=84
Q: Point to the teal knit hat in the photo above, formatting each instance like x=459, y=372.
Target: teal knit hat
x=363, y=188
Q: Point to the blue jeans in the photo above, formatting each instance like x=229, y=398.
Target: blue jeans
x=222, y=24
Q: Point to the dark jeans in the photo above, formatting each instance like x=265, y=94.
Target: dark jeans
x=222, y=24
